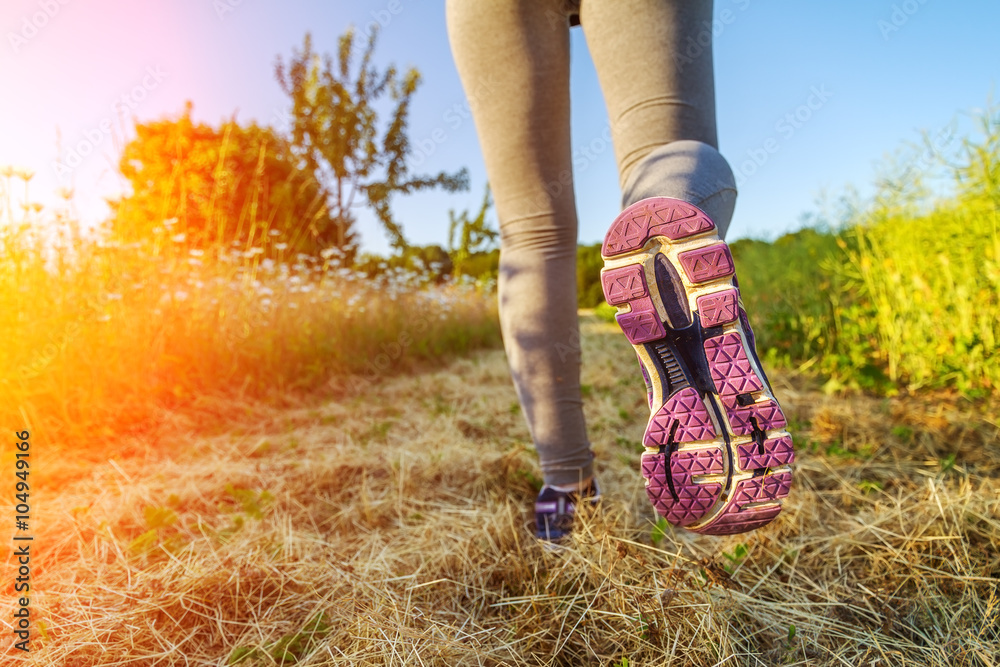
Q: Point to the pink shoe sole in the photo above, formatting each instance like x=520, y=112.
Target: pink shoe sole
x=717, y=457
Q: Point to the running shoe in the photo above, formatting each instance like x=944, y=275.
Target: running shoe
x=554, y=510
x=717, y=457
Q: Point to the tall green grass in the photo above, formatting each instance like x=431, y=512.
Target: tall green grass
x=906, y=295
x=898, y=293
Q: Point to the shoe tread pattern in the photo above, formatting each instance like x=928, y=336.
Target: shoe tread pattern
x=696, y=475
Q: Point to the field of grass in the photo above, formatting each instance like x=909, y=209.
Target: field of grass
x=894, y=302
x=245, y=457
x=907, y=294
x=390, y=524
x=108, y=339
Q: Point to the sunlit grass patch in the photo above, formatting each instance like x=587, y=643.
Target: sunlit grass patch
x=342, y=543
x=104, y=336
x=904, y=295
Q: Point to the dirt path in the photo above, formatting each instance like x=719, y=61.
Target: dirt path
x=391, y=526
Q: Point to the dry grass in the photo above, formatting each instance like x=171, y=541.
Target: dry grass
x=108, y=338
x=391, y=526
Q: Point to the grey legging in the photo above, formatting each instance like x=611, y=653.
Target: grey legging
x=654, y=62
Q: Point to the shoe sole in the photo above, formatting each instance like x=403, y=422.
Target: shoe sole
x=717, y=457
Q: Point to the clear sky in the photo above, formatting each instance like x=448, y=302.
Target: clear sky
x=74, y=69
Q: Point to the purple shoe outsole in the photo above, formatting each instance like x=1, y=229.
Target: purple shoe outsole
x=717, y=457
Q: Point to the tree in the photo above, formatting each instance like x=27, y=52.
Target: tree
x=474, y=235
x=335, y=130
x=220, y=185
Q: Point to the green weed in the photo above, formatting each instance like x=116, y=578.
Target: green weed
x=904, y=433
x=947, y=463
x=605, y=312
x=735, y=558
x=289, y=649
x=533, y=480
x=867, y=486
x=659, y=531
x=905, y=295
x=252, y=503
x=157, y=521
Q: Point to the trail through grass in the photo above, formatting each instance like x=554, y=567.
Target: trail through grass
x=391, y=525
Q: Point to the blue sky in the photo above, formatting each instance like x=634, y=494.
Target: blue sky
x=887, y=70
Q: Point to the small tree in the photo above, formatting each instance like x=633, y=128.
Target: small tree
x=474, y=235
x=335, y=129
x=220, y=184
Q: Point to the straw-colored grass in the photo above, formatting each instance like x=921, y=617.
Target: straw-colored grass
x=391, y=525
x=104, y=337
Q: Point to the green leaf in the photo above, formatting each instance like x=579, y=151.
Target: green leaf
x=241, y=654
x=659, y=531
x=144, y=542
x=869, y=486
x=159, y=517
x=739, y=553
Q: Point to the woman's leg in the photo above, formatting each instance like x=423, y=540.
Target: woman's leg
x=654, y=62
x=513, y=59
